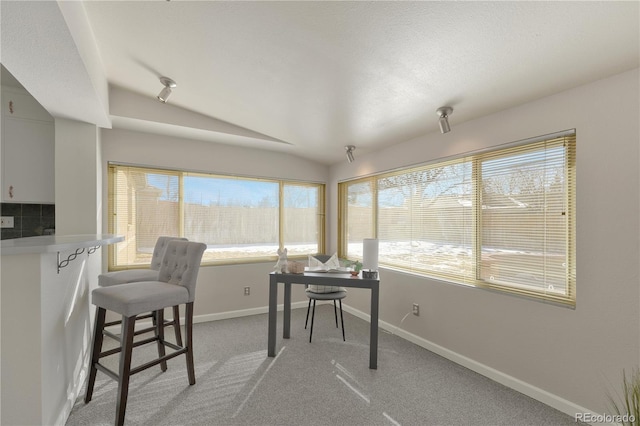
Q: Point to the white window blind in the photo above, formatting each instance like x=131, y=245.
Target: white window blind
x=235, y=217
x=503, y=219
x=525, y=218
x=143, y=205
x=425, y=219
x=358, y=215
x=240, y=219
x=302, y=218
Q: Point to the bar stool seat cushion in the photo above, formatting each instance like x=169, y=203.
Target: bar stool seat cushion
x=128, y=276
x=139, y=297
x=327, y=296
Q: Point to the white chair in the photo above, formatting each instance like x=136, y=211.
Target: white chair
x=137, y=275
x=175, y=285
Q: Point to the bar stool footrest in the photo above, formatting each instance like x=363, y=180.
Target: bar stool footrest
x=157, y=361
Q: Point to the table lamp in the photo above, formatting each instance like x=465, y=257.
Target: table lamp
x=370, y=258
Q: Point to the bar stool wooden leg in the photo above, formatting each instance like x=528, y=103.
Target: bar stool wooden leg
x=176, y=325
x=159, y=332
x=189, y=344
x=128, y=331
x=95, y=352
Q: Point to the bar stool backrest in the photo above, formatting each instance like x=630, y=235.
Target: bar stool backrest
x=159, y=249
x=181, y=264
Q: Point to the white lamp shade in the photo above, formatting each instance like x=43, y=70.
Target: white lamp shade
x=370, y=254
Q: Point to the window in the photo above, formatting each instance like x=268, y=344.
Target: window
x=240, y=219
x=501, y=219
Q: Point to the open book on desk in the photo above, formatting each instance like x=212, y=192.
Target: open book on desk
x=332, y=264
x=340, y=270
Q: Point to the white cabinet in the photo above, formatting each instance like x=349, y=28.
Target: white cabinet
x=28, y=147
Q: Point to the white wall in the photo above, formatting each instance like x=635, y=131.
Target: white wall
x=166, y=151
x=78, y=178
x=577, y=355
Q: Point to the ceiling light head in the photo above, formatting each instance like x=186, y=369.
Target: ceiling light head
x=166, y=91
x=444, y=113
x=350, y=149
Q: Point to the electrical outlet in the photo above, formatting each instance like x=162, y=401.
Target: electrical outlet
x=247, y=291
x=6, y=222
x=416, y=309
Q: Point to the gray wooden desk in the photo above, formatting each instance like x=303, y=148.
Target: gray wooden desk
x=341, y=280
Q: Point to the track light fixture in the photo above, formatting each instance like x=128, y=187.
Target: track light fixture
x=444, y=113
x=350, y=149
x=166, y=92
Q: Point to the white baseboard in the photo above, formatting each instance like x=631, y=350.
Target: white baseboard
x=534, y=392
x=243, y=313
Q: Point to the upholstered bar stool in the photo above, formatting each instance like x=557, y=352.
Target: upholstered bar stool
x=176, y=285
x=136, y=275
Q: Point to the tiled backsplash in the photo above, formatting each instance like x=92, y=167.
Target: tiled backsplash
x=29, y=220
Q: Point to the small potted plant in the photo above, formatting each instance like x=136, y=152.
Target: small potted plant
x=356, y=266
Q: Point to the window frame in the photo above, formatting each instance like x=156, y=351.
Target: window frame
x=112, y=168
x=568, y=138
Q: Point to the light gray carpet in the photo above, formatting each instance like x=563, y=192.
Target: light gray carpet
x=326, y=382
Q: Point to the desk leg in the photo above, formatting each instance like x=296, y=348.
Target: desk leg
x=286, y=327
x=373, y=338
x=273, y=315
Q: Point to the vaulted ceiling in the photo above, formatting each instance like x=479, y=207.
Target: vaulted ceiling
x=307, y=78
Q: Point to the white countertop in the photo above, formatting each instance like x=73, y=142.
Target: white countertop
x=56, y=243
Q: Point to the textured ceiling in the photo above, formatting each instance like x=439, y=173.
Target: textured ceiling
x=308, y=78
